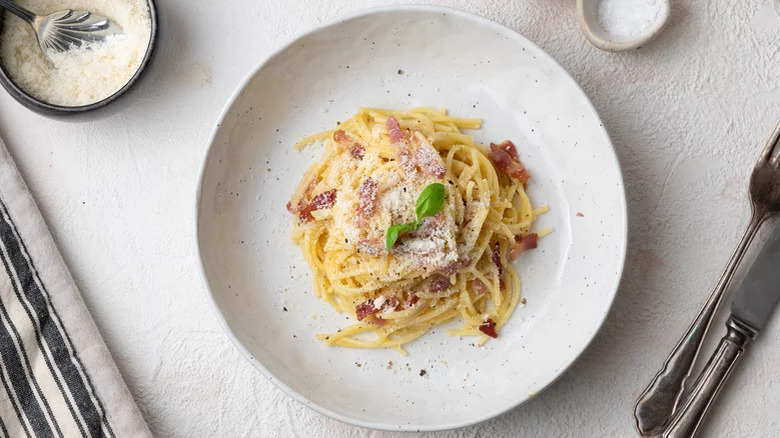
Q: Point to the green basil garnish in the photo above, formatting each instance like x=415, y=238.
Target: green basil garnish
x=429, y=203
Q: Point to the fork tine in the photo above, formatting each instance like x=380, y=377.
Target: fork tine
x=771, y=145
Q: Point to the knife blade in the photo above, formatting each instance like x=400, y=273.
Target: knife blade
x=759, y=291
x=751, y=306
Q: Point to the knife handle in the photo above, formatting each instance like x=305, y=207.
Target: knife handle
x=690, y=417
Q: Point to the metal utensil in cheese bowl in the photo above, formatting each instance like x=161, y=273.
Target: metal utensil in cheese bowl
x=66, y=29
x=751, y=306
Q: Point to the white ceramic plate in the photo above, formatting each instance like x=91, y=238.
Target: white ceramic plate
x=402, y=57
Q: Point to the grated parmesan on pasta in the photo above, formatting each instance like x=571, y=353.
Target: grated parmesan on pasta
x=80, y=76
x=454, y=263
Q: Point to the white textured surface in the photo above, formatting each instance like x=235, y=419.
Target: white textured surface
x=688, y=114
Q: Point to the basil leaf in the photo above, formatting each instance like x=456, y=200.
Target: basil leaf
x=430, y=202
x=393, y=232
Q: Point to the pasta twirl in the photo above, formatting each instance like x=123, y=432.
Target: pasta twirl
x=454, y=264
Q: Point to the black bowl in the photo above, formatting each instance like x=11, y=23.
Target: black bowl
x=57, y=111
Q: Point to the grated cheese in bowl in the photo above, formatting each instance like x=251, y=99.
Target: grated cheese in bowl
x=80, y=76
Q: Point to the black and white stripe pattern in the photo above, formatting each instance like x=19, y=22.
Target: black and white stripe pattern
x=45, y=389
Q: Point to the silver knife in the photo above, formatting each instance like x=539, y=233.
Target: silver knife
x=751, y=306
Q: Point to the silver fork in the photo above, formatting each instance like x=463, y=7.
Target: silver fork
x=659, y=401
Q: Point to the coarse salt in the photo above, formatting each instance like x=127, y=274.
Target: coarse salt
x=80, y=76
x=629, y=19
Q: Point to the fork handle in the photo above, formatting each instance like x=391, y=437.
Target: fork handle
x=691, y=416
x=659, y=401
x=15, y=9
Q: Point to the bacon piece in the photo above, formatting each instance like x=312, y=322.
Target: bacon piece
x=364, y=309
x=402, y=151
x=429, y=161
x=504, y=161
x=411, y=300
x=357, y=151
x=440, y=283
x=405, y=159
x=355, y=148
x=426, y=157
x=367, y=201
x=297, y=209
x=430, y=225
x=322, y=201
x=495, y=256
x=479, y=287
x=530, y=241
x=489, y=328
x=508, y=147
x=523, y=244
x=394, y=129
x=454, y=267
x=368, y=309
x=342, y=138
x=391, y=304
x=303, y=193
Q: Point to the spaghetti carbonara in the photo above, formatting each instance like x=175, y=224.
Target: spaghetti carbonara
x=407, y=224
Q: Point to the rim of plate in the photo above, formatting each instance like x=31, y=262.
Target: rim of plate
x=259, y=365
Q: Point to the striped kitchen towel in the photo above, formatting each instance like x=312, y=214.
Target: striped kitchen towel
x=57, y=378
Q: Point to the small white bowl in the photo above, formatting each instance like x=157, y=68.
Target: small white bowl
x=588, y=18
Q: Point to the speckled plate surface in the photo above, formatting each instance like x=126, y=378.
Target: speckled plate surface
x=403, y=57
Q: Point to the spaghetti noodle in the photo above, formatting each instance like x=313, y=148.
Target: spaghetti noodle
x=455, y=263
